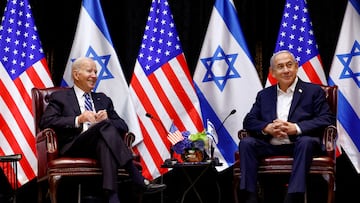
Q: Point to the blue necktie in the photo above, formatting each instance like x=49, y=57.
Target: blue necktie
x=88, y=103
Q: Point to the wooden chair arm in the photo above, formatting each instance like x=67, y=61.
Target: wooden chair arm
x=242, y=133
x=46, y=147
x=129, y=140
x=329, y=140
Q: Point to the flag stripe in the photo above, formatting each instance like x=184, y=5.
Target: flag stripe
x=146, y=103
x=22, y=90
x=311, y=73
x=226, y=145
x=163, y=98
x=228, y=13
x=25, y=165
x=175, y=137
x=153, y=150
x=344, y=73
x=161, y=85
x=19, y=119
x=181, y=92
x=23, y=125
x=224, y=71
x=157, y=140
x=347, y=117
x=21, y=69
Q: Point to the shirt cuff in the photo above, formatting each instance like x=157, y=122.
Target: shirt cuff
x=298, y=130
x=77, y=125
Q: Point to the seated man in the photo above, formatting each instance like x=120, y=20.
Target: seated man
x=88, y=126
x=286, y=119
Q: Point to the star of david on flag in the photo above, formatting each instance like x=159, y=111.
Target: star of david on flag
x=224, y=73
x=92, y=39
x=347, y=61
x=345, y=72
x=225, y=60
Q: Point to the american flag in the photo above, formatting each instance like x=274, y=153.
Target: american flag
x=22, y=67
x=296, y=35
x=175, y=137
x=161, y=85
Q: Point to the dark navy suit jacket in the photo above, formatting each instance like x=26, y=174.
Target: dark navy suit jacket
x=309, y=110
x=64, y=107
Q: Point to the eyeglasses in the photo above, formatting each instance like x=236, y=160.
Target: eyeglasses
x=289, y=65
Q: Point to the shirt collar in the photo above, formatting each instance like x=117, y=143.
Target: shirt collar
x=290, y=89
x=79, y=92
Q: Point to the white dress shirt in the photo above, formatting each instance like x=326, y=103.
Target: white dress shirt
x=81, y=100
x=283, y=105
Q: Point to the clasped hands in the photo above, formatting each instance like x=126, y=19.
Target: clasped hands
x=92, y=117
x=280, y=129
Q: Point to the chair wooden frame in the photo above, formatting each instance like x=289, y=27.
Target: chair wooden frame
x=52, y=167
x=322, y=165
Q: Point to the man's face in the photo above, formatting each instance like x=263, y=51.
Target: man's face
x=285, y=70
x=85, y=78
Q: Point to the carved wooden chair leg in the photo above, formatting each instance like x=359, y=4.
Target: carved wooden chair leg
x=236, y=190
x=53, y=187
x=331, y=189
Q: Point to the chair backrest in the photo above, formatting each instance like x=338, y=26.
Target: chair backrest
x=331, y=97
x=40, y=100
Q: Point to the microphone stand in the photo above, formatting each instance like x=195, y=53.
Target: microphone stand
x=165, y=130
x=212, y=148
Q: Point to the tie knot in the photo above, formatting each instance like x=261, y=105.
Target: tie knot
x=87, y=95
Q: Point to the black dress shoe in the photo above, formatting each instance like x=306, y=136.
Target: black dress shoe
x=150, y=188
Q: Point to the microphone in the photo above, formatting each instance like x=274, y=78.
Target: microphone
x=222, y=123
x=212, y=148
x=158, y=120
x=165, y=130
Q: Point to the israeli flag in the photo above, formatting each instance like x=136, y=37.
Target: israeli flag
x=211, y=132
x=344, y=73
x=226, y=80
x=92, y=39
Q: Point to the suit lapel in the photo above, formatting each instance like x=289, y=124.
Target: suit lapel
x=296, y=98
x=97, y=101
x=72, y=97
x=273, y=100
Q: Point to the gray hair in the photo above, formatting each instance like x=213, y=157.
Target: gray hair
x=272, y=65
x=78, y=62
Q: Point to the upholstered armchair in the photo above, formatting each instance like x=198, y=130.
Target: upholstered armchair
x=52, y=167
x=321, y=165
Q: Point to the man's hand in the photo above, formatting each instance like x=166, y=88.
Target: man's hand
x=101, y=115
x=279, y=128
x=87, y=116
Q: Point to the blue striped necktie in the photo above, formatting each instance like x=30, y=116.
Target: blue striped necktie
x=88, y=103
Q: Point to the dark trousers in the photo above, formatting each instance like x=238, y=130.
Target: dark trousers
x=103, y=142
x=252, y=149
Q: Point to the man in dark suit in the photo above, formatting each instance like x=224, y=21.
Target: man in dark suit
x=88, y=126
x=286, y=119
